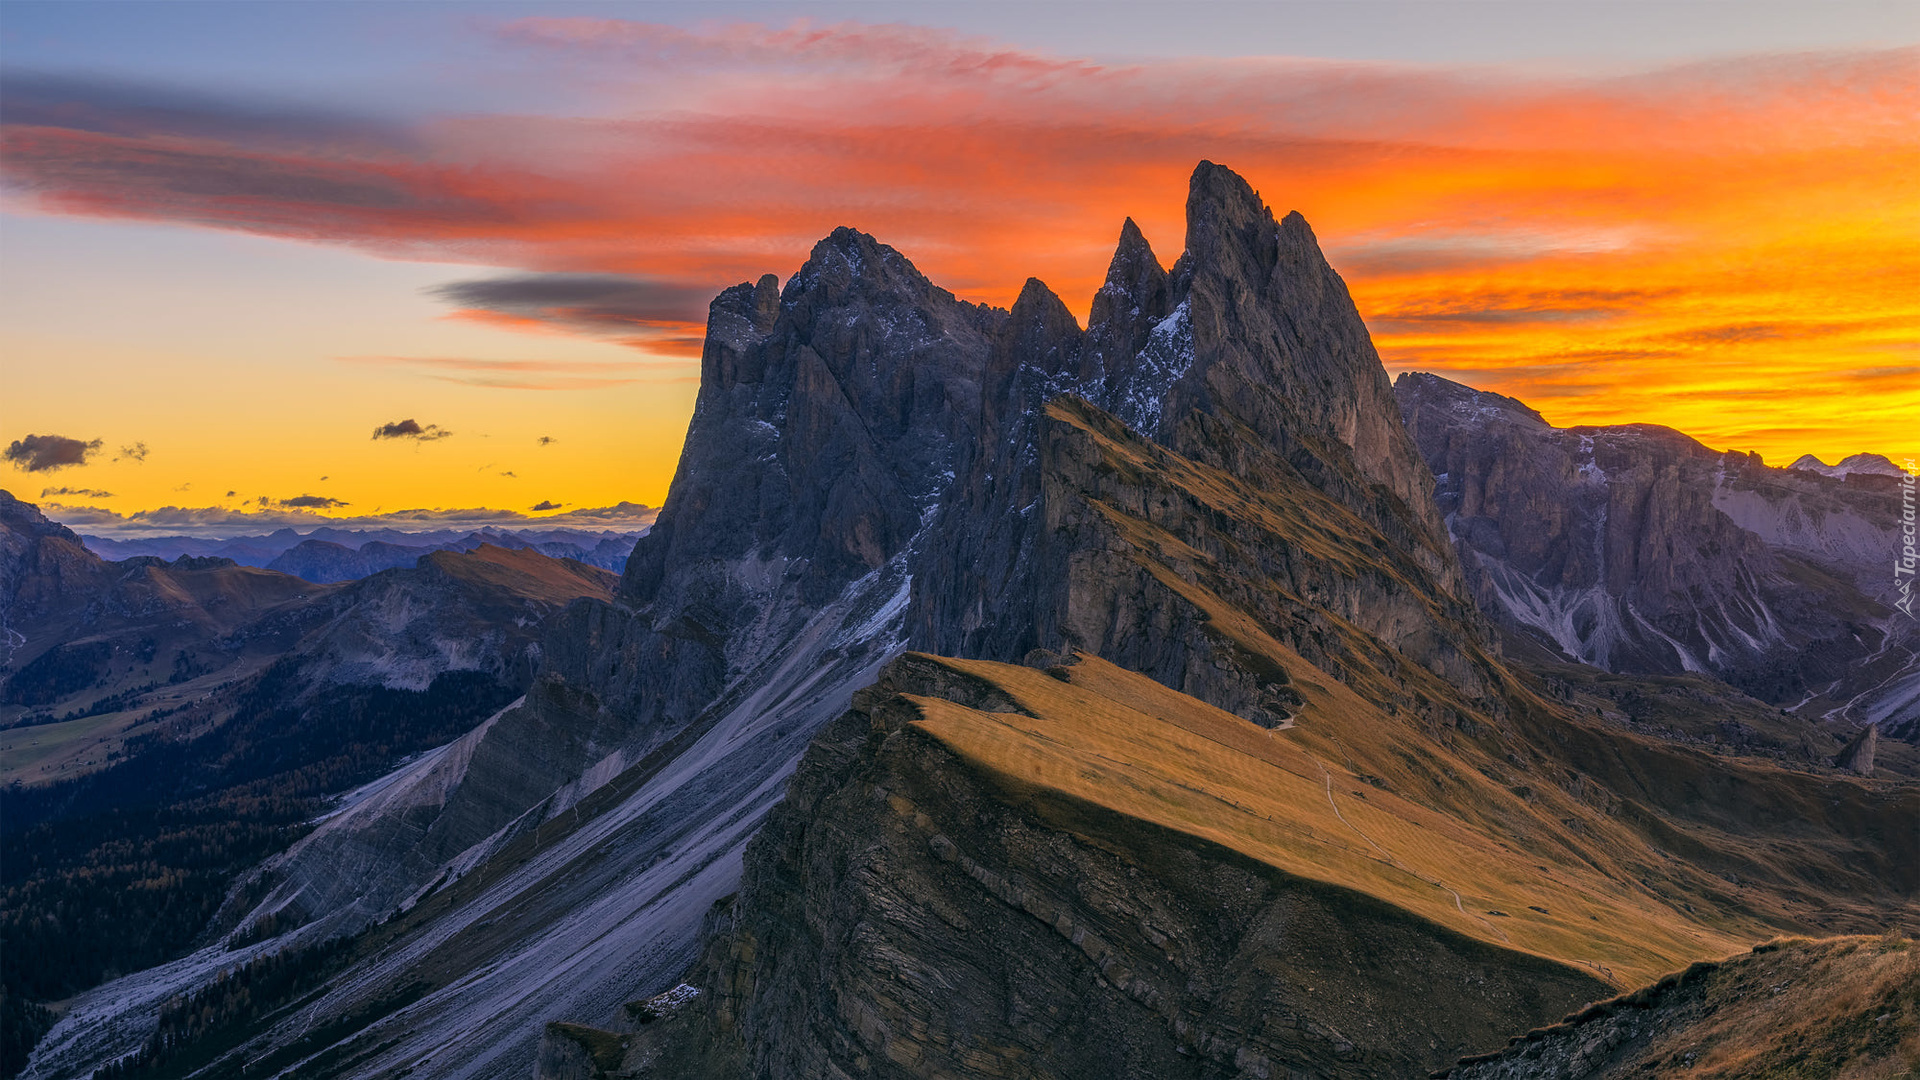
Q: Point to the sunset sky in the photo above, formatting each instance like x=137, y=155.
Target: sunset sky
x=237, y=240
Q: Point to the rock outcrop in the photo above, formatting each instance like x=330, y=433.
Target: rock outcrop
x=1173, y=514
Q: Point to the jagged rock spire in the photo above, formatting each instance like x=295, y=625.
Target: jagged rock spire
x=1125, y=310
x=1040, y=332
x=1278, y=345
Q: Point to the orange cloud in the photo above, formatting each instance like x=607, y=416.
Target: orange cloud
x=1729, y=248
x=538, y=374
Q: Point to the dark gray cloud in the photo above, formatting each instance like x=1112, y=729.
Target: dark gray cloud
x=310, y=502
x=1744, y=333
x=136, y=452
x=39, y=453
x=1438, y=312
x=594, y=303
x=411, y=429
x=74, y=493
x=620, y=511
x=544, y=505
x=141, y=110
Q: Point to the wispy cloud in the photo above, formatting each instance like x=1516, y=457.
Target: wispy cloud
x=74, y=493
x=537, y=374
x=658, y=316
x=139, y=110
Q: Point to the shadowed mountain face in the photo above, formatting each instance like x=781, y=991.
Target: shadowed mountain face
x=1220, y=774
x=1635, y=549
x=1252, y=404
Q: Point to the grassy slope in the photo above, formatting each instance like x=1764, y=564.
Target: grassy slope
x=1843, y=1008
x=1294, y=800
x=526, y=573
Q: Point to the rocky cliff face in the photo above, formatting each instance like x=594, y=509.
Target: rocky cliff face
x=990, y=870
x=1223, y=406
x=1636, y=549
x=872, y=463
x=1208, y=486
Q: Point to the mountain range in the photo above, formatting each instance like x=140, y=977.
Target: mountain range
x=1634, y=548
x=1173, y=696
x=166, y=725
x=329, y=554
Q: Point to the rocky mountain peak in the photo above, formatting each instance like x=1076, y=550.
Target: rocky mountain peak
x=737, y=318
x=26, y=518
x=1135, y=298
x=1868, y=464
x=847, y=262
x=1136, y=285
x=1229, y=230
x=1419, y=391
x=1273, y=344
x=1039, y=307
x=1040, y=332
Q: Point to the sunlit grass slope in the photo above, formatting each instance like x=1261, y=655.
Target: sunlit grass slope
x=1845, y=1008
x=1313, y=801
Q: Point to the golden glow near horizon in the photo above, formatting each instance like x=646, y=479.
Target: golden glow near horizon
x=253, y=369
x=1730, y=249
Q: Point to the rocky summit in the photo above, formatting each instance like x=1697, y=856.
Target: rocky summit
x=996, y=696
